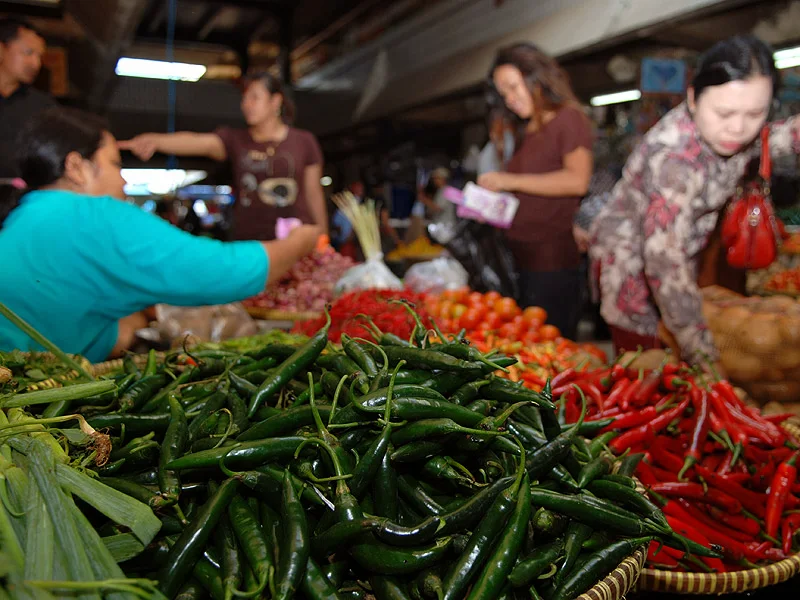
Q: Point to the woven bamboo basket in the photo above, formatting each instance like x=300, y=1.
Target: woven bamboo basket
x=266, y=314
x=656, y=580
x=57, y=382
x=620, y=581
x=109, y=366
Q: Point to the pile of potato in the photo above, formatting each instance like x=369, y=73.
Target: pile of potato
x=759, y=342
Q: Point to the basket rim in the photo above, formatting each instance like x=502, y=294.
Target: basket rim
x=732, y=582
x=623, y=579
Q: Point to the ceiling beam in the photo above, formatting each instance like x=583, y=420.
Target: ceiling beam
x=332, y=29
x=45, y=11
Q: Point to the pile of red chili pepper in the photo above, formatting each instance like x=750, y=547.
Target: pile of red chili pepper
x=348, y=314
x=723, y=473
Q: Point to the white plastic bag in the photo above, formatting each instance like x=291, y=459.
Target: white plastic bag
x=373, y=274
x=436, y=276
x=203, y=323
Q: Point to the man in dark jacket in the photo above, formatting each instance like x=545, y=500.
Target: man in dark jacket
x=21, y=51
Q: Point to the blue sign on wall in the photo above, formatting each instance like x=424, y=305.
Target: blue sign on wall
x=663, y=76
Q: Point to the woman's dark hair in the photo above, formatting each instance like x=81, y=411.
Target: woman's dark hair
x=43, y=147
x=547, y=82
x=274, y=85
x=735, y=59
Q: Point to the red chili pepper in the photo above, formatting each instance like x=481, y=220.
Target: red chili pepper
x=664, y=475
x=648, y=387
x=665, y=459
x=782, y=482
x=646, y=474
x=712, y=461
x=672, y=369
x=699, y=515
x=673, y=384
x=740, y=478
x=741, y=523
x=639, y=435
x=562, y=378
x=665, y=402
x=763, y=476
x=700, y=404
x=631, y=419
x=695, y=491
x=657, y=557
x=778, y=419
x=624, y=399
x=686, y=528
x=668, y=416
x=752, y=501
x=618, y=372
x=788, y=528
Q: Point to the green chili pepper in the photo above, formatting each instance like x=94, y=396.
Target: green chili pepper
x=595, y=514
x=384, y=489
x=535, y=564
x=173, y=447
x=577, y=534
x=598, y=566
x=252, y=540
x=156, y=403
x=627, y=465
x=295, y=548
x=417, y=497
x=480, y=544
x=388, y=588
x=383, y=559
x=504, y=390
x=506, y=552
x=416, y=451
x=359, y=356
x=286, y=421
x=629, y=498
x=246, y=455
x=232, y=568
x=599, y=443
x=140, y=392
x=189, y=547
x=594, y=469
x=623, y=480
x=433, y=428
x=299, y=360
x=315, y=586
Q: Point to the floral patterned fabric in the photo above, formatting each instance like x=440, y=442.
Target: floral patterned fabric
x=647, y=240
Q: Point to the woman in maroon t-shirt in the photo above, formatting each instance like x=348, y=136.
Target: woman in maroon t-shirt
x=549, y=173
x=277, y=168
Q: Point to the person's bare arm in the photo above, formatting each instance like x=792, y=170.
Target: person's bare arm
x=183, y=143
x=283, y=254
x=572, y=180
x=315, y=196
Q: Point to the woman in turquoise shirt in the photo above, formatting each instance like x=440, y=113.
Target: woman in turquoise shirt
x=77, y=260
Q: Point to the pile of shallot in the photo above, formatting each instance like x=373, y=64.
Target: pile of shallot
x=308, y=286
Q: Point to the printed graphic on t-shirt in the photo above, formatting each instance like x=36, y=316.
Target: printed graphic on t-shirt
x=277, y=187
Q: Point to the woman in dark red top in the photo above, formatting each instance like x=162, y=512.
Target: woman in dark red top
x=277, y=168
x=549, y=173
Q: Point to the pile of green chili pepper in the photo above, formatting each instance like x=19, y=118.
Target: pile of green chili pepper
x=397, y=469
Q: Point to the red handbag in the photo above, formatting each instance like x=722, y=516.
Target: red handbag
x=751, y=233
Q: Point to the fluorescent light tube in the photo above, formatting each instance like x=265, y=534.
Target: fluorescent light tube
x=159, y=69
x=616, y=98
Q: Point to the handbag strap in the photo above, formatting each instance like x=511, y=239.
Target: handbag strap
x=765, y=168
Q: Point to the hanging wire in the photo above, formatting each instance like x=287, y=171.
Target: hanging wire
x=172, y=15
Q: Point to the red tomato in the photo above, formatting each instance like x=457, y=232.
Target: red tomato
x=491, y=297
x=535, y=314
x=549, y=333
x=471, y=319
x=507, y=308
x=475, y=298
x=493, y=320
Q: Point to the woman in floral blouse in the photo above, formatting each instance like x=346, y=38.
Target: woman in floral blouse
x=646, y=242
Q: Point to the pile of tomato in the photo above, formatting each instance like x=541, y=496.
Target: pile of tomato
x=494, y=322
x=459, y=309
